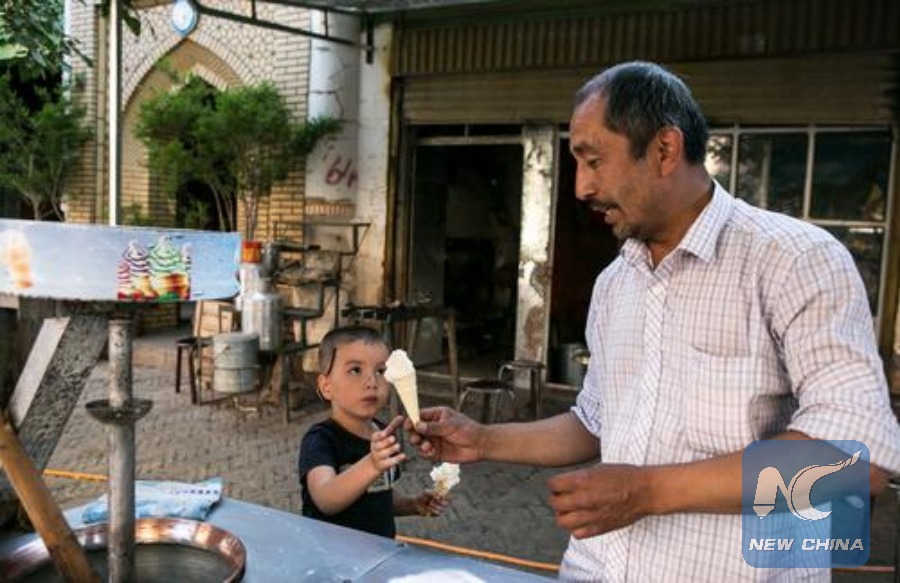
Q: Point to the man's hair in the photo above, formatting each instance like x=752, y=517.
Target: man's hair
x=641, y=98
x=345, y=335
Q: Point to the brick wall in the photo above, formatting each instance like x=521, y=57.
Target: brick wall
x=223, y=53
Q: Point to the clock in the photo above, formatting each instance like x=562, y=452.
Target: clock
x=184, y=16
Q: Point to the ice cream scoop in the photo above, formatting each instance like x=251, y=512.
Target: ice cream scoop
x=445, y=476
x=402, y=374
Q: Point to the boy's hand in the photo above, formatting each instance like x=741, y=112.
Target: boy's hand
x=385, y=451
x=430, y=504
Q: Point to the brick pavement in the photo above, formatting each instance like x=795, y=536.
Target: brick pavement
x=498, y=508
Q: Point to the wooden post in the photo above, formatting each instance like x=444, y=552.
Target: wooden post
x=45, y=515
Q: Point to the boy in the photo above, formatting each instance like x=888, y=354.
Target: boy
x=349, y=462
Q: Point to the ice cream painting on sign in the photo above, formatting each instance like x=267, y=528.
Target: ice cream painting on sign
x=15, y=256
x=123, y=264
x=162, y=274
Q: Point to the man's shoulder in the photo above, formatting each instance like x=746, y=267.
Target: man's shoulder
x=773, y=231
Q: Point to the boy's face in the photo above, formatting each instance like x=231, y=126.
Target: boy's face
x=355, y=385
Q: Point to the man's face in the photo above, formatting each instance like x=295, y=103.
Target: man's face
x=608, y=178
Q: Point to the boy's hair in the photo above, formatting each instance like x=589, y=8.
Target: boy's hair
x=345, y=335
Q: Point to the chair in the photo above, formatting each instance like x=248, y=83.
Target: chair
x=535, y=372
x=493, y=389
x=210, y=318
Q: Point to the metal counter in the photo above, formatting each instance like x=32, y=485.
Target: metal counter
x=286, y=547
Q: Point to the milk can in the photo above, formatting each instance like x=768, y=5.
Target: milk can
x=249, y=275
x=261, y=315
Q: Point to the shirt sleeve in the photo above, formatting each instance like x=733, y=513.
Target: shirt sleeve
x=823, y=321
x=587, y=404
x=316, y=449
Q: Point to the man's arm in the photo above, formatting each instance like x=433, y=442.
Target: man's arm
x=595, y=500
x=447, y=435
x=556, y=441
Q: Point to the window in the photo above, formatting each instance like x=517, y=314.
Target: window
x=835, y=178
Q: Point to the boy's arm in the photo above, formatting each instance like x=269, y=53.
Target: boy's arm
x=333, y=492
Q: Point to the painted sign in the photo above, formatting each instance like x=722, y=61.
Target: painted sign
x=124, y=264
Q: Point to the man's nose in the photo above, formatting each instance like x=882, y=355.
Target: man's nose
x=584, y=184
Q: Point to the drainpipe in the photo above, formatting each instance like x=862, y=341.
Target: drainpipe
x=100, y=138
x=114, y=99
x=331, y=169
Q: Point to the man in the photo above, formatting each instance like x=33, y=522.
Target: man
x=717, y=325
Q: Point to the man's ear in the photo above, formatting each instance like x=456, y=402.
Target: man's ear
x=669, y=145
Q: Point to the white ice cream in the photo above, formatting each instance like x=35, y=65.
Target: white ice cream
x=445, y=476
x=402, y=374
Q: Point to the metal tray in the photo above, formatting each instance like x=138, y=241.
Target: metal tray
x=168, y=549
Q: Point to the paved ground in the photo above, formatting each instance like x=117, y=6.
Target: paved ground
x=498, y=508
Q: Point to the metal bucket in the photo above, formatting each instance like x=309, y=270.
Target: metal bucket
x=235, y=368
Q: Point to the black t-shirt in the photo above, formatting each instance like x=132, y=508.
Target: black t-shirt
x=329, y=444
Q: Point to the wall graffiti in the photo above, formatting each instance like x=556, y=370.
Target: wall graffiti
x=341, y=171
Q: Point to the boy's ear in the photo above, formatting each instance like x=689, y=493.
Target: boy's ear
x=323, y=387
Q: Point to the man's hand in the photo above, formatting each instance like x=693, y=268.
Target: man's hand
x=600, y=499
x=385, y=449
x=446, y=435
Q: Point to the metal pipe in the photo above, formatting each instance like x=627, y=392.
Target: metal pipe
x=121, y=456
x=114, y=106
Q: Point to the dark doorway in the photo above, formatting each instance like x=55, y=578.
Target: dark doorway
x=464, y=246
x=583, y=245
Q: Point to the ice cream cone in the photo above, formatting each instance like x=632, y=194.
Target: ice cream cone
x=409, y=396
x=445, y=476
x=402, y=374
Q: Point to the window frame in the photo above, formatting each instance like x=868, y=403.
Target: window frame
x=735, y=131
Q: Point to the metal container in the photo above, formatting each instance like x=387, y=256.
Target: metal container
x=168, y=549
x=235, y=368
x=570, y=364
x=262, y=315
x=270, y=255
x=249, y=275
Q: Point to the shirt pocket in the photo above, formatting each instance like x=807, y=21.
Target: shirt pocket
x=731, y=401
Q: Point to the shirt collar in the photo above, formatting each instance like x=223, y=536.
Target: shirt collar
x=700, y=239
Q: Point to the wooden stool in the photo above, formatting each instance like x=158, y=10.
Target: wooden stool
x=535, y=371
x=491, y=390
x=186, y=349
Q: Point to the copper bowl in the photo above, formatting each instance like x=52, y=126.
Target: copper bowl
x=168, y=549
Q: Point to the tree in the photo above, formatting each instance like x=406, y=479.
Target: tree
x=40, y=149
x=32, y=37
x=240, y=142
x=167, y=126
